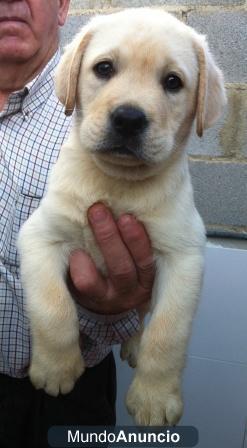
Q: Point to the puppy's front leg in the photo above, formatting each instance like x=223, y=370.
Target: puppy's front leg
x=154, y=397
x=56, y=357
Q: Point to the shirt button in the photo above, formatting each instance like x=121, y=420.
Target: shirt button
x=25, y=114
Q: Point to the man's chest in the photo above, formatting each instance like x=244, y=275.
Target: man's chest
x=29, y=146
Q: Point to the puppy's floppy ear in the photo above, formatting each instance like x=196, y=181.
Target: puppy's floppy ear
x=68, y=70
x=211, y=96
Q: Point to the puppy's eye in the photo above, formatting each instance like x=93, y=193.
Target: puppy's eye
x=172, y=83
x=104, y=69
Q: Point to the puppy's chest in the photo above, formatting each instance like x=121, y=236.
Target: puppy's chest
x=82, y=236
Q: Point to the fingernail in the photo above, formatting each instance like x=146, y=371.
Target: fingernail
x=76, y=252
x=126, y=221
x=97, y=213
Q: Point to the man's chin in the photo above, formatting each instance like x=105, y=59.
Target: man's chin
x=14, y=49
x=17, y=44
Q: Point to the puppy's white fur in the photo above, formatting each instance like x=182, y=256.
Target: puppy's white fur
x=144, y=45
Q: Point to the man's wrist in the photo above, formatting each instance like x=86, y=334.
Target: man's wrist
x=102, y=318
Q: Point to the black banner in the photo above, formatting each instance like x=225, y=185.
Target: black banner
x=122, y=436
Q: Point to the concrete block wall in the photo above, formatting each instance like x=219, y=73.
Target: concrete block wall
x=218, y=161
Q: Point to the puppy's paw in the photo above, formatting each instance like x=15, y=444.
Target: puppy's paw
x=56, y=373
x=129, y=350
x=154, y=403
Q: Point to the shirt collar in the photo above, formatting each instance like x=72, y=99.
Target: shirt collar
x=34, y=93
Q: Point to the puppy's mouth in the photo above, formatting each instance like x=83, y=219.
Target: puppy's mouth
x=122, y=150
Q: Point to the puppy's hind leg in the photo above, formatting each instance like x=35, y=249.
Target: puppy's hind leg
x=56, y=357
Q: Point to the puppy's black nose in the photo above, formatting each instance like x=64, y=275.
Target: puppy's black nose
x=128, y=121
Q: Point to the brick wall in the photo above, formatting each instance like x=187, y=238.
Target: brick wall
x=218, y=160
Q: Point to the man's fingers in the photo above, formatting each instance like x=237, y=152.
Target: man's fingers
x=85, y=277
x=136, y=239
x=121, y=268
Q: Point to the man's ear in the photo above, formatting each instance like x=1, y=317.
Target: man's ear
x=211, y=95
x=68, y=70
x=63, y=7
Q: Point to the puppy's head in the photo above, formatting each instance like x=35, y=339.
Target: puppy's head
x=138, y=79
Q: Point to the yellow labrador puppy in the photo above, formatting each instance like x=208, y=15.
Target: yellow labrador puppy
x=137, y=79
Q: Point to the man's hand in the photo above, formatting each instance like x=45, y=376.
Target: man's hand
x=128, y=256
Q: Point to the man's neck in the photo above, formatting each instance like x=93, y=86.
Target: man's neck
x=3, y=99
x=15, y=75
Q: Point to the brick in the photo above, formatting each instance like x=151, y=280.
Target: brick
x=207, y=2
x=136, y=3
x=220, y=190
x=71, y=27
x=131, y=3
x=89, y=4
x=209, y=144
x=233, y=135
x=228, y=137
x=102, y=4
x=226, y=31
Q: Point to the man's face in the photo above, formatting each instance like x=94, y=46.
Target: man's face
x=30, y=27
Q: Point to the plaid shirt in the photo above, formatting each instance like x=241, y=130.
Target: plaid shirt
x=32, y=130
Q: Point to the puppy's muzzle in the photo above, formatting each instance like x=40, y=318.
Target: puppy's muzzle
x=127, y=126
x=128, y=121
x=125, y=133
